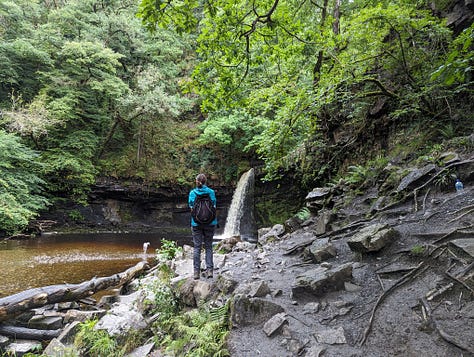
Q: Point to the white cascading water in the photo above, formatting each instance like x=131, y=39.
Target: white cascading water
x=239, y=206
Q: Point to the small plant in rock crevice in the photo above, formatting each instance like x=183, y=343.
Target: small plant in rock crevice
x=169, y=250
x=95, y=343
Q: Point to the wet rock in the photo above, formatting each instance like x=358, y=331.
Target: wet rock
x=315, y=351
x=277, y=231
x=319, y=281
x=184, y=291
x=352, y=288
x=46, y=322
x=415, y=176
x=275, y=324
x=121, y=319
x=251, y=311
x=22, y=347
x=317, y=198
x=254, y=289
x=201, y=291
x=293, y=223
x=331, y=336
x=324, y=219
x=372, y=238
x=466, y=244
x=67, y=334
x=449, y=157
x=320, y=250
x=56, y=349
x=311, y=308
x=81, y=316
x=226, y=245
x=225, y=284
x=378, y=204
x=142, y=351
x=3, y=341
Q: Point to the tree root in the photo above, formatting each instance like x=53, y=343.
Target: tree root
x=431, y=321
x=450, y=233
x=419, y=269
x=404, y=279
x=414, y=193
x=461, y=216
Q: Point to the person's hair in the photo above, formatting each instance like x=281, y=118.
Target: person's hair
x=201, y=180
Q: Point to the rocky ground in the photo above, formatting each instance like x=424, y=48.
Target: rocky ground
x=411, y=297
x=369, y=278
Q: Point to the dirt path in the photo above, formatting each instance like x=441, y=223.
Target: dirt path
x=412, y=298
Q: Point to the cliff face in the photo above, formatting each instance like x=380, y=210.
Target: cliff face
x=130, y=205
x=459, y=14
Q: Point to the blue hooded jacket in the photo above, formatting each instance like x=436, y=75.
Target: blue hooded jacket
x=202, y=191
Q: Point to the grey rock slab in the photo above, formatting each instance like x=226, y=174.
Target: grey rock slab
x=331, y=336
x=372, y=238
x=319, y=281
x=466, y=244
x=57, y=349
x=3, y=341
x=274, y=324
x=414, y=176
x=21, y=347
x=121, y=319
x=142, y=350
x=320, y=250
x=252, y=311
x=46, y=322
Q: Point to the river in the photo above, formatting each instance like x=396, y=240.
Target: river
x=73, y=258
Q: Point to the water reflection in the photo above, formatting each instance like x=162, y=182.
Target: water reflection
x=74, y=258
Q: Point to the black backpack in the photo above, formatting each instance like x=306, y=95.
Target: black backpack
x=203, y=211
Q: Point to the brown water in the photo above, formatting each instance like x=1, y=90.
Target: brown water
x=73, y=258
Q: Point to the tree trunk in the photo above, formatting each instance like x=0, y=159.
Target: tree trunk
x=13, y=305
x=28, y=333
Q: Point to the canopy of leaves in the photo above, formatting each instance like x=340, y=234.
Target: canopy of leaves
x=310, y=68
x=89, y=88
x=20, y=184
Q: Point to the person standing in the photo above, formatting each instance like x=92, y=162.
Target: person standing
x=202, y=202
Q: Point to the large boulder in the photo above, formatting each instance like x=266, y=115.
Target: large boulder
x=318, y=198
x=252, y=311
x=319, y=281
x=372, y=238
x=320, y=250
x=416, y=177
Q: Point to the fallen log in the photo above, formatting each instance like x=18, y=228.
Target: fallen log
x=28, y=333
x=13, y=305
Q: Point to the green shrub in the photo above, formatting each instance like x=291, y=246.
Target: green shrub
x=95, y=343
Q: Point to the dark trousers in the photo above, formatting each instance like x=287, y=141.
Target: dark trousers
x=203, y=235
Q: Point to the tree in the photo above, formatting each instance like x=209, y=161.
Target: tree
x=21, y=188
x=310, y=67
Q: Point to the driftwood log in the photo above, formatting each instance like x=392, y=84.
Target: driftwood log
x=13, y=305
x=28, y=333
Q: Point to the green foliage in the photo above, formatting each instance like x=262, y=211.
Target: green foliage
x=76, y=216
x=200, y=333
x=303, y=214
x=161, y=300
x=21, y=188
x=169, y=250
x=457, y=68
x=284, y=63
x=417, y=250
x=359, y=176
x=95, y=343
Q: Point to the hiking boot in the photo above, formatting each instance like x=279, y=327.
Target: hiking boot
x=197, y=275
x=209, y=274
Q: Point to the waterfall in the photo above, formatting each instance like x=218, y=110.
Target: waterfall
x=240, y=218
